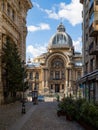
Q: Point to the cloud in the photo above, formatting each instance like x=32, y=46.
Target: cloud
x=70, y=12
x=38, y=6
x=78, y=44
x=36, y=50
x=52, y=14
x=41, y=26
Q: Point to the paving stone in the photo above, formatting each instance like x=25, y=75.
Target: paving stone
x=38, y=117
x=45, y=118
x=10, y=113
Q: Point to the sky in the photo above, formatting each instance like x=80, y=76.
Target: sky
x=43, y=19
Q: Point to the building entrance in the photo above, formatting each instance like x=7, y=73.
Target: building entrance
x=57, y=88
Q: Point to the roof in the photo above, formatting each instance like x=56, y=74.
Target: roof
x=60, y=38
x=33, y=64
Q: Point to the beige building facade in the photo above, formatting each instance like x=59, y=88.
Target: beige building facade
x=57, y=70
x=12, y=24
x=89, y=81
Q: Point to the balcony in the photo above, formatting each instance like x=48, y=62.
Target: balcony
x=57, y=79
x=93, y=49
x=93, y=29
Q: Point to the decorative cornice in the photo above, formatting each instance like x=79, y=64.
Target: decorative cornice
x=10, y=22
x=29, y=3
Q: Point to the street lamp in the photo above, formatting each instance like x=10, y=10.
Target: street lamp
x=35, y=83
x=23, y=101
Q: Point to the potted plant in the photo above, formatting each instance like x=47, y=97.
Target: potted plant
x=61, y=109
x=58, y=98
x=70, y=111
x=78, y=104
x=89, y=116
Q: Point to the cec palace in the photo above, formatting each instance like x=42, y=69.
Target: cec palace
x=57, y=70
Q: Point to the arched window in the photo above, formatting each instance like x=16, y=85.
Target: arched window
x=59, y=39
x=57, y=63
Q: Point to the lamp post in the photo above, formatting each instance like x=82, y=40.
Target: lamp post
x=35, y=83
x=23, y=101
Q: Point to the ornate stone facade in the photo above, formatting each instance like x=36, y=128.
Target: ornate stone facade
x=57, y=70
x=13, y=24
x=89, y=81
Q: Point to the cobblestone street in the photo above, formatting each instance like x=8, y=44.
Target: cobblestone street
x=38, y=117
x=10, y=113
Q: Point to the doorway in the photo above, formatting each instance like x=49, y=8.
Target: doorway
x=57, y=88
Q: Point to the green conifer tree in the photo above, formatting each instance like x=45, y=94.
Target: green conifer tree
x=15, y=70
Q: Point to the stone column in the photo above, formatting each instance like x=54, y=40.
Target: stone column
x=70, y=81
x=33, y=81
x=60, y=74
x=66, y=85
x=43, y=79
x=53, y=88
x=69, y=77
x=60, y=87
x=46, y=77
x=53, y=74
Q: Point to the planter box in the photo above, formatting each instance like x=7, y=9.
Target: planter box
x=69, y=118
x=86, y=126
x=60, y=113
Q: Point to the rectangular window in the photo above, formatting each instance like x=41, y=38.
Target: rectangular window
x=95, y=41
x=96, y=2
x=91, y=65
x=91, y=46
x=91, y=19
x=13, y=15
x=86, y=37
x=19, y=5
x=86, y=91
x=30, y=76
x=51, y=86
x=86, y=68
x=62, y=86
x=91, y=92
x=91, y=3
x=37, y=75
x=3, y=5
x=8, y=9
x=96, y=93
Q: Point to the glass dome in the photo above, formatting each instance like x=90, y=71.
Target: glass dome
x=60, y=39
